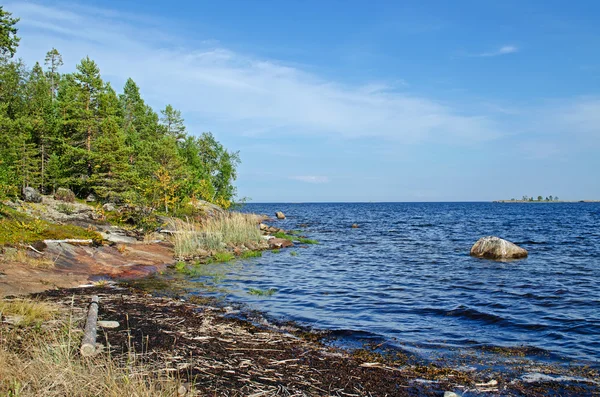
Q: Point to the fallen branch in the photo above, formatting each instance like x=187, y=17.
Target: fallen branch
x=88, y=343
x=73, y=241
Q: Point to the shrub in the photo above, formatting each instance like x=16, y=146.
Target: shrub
x=63, y=194
x=66, y=209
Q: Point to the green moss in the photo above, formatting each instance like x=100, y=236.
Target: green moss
x=293, y=253
x=275, y=251
x=16, y=227
x=181, y=267
x=251, y=254
x=262, y=292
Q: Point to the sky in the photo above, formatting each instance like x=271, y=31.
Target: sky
x=359, y=100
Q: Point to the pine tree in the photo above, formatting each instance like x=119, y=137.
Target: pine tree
x=8, y=34
x=53, y=61
x=173, y=123
x=39, y=113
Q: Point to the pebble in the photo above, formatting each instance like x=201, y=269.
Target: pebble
x=450, y=394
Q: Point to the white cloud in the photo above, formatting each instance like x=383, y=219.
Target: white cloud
x=504, y=50
x=311, y=178
x=237, y=92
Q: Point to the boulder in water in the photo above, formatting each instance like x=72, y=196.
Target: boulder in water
x=31, y=195
x=280, y=215
x=492, y=247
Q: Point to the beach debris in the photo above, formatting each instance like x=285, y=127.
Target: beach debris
x=108, y=324
x=88, y=343
x=280, y=215
x=493, y=247
x=450, y=394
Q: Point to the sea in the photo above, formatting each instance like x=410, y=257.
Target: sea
x=404, y=278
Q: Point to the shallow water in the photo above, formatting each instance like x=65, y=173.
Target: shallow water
x=406, y=276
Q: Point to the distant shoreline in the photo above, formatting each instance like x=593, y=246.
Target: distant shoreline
x=545, y=202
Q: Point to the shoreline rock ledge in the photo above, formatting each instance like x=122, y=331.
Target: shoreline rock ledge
x=492, y=247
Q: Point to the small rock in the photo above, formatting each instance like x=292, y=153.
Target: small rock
x=108, y=324
x=39, y=245
x=64, y=194
x=276, y=243
x=90, y=198
x=450, y=394
x=109, y=207
x=182, y=391
x=262, y=226
x=492, y=247
x=280, y=215
x=355, y=226
x=31, y=195
x=251, y=246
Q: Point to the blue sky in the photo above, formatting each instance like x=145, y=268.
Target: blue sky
x=356, y=100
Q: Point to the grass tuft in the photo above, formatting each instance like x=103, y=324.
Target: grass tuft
x=223, y=256
x=214, y=234
x=251, y=254
x=27, y=311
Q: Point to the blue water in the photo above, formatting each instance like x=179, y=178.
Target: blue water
x=406, y=275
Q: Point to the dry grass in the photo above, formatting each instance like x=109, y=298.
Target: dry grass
x=25, y=312
x=33, y=260
x=43, y=360
x=214, y=234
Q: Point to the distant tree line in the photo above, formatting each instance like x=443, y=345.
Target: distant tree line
x=539, y=198
x=73, y=130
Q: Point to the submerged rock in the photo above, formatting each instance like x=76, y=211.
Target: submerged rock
x=492, y=247
x=31, y=195
x=280, y=215
x=355, y=226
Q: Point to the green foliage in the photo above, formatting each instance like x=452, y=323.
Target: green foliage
x=16, y=227
x=262, y=292
x=251, y=254
x=276, y=250
x=74, y=131
x=8, y=34
x=293, y=253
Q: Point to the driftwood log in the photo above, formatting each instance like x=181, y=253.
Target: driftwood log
x=72, y=241
x=88, y=343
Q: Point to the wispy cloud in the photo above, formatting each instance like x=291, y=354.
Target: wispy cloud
x=311, y=178
x=504, y=50
x=238, y=92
